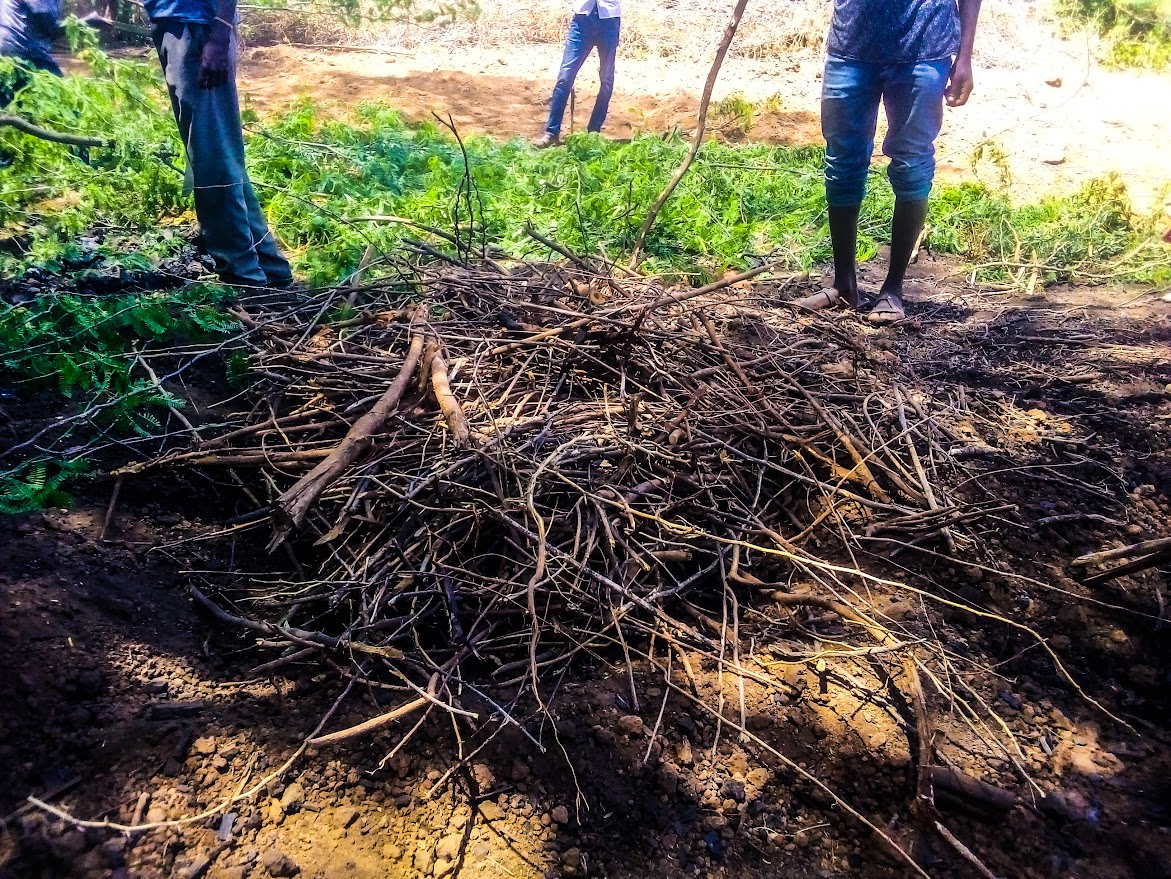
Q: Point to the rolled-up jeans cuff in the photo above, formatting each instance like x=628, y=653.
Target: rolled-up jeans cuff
x=919, y=193
x=844, y=196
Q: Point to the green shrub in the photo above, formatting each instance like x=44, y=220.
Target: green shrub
x=1137, y=32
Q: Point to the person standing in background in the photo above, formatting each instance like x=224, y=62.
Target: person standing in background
x=911, y=56
x=27, y=31
x=595, y=24
x=196, y=43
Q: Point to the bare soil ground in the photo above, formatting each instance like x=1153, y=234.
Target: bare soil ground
x=121, y=698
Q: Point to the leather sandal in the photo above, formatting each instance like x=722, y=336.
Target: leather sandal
x=887, y=309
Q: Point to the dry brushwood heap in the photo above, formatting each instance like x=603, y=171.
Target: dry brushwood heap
x=520, y=469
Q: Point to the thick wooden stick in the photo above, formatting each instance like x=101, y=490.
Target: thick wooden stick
x=291, y=507
x=453, y=413
x=370, y=725
x=1109, y=555
x=22, y=124
x=697, y=138
x=1150, y=560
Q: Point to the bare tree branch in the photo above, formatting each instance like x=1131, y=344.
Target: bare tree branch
x=697, y=138
x=22, y=124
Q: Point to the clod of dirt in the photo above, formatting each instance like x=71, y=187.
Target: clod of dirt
x=424, y=861
x=203, y=747
x=489, y=811
x=448, y=847
x=293, y=798
x=630, y=724
x=1068, y=805
x=482, y=773
x=571, y=860
x=520, y=771
x=279, y=864
x=560, y=815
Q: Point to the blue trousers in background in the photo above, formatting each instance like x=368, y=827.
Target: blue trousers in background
x=235, y=231
x=912, y=94
x=586, y=32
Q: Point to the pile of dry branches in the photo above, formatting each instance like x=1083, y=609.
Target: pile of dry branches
x=525, y=467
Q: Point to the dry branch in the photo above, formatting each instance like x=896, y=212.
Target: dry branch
x=453, y=413
x=1143, y=563
x=22, y=124
x=1146, y=547
x=612, y=469
x=292, y=506
x=697, y=137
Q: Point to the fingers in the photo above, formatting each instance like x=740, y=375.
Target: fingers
x=958, y=92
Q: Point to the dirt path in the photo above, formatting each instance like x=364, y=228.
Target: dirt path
x=1054, y=127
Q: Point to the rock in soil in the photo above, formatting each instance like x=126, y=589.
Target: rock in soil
x=279, y=864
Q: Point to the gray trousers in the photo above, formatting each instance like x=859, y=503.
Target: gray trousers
x=235, y=231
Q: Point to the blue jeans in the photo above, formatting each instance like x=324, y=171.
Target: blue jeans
x=235, y=231
x=585, y=33
x=913, y=96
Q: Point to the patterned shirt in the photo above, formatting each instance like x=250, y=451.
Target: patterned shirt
x=193, y=11
x=27, y=30
x=894, y=31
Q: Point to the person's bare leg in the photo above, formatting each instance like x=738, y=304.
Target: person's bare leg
x=843, y=233
x=908, y=221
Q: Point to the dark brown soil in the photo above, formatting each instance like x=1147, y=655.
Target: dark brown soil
x=115, y=686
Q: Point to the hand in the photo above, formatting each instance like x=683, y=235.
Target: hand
x=94, y=19
x=215, y=64
x=959, y=86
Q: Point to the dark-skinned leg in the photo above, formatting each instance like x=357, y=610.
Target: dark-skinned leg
x=913, y=95
x=904, y=232
x=843, y=233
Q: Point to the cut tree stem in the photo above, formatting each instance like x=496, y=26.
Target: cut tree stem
x=453, y=413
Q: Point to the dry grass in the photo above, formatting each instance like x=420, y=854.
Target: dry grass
x=683, y=28
x=1010, y=31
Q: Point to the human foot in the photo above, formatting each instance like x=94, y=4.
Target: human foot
x=887, y=309
x=546, y=140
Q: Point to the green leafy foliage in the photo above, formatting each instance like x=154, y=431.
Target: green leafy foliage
x=321, y=177
x=86, y=348
x=735, y=113
x=354, y=12
x=36, y=484
x=1137, y=32
x=1092, y=231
